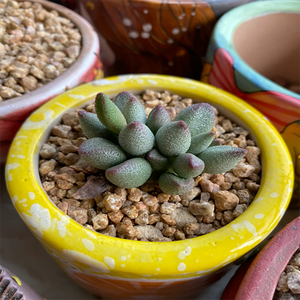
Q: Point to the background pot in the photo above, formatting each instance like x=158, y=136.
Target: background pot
x=117, y=268
x=163, y=37
x=242, y=59
x=86, y=68
x=11, y=287
x=255, y=280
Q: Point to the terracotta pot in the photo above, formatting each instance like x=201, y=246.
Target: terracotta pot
x=12, y=288
x=243, y=59
x=87, y=68
x=258, y=279
x=123, y=269
x=163, y=37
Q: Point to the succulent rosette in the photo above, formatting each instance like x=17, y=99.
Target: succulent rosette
x=130, y=147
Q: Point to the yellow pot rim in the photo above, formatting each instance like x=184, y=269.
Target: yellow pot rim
x=109, y=256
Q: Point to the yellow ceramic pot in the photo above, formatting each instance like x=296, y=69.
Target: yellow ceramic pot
x=122, y=269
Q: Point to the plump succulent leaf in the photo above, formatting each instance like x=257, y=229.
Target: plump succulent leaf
x=136, y=138
x=158, y=162
x=215, y=142
x=101, y=153
x=130, y=174
x=157, y=118
x=188, y=165
x=173, y=139
x=121, y=99
x=91, y=126
x=133, y=110
x=109, y=114
x=200, y=142
x=174, y=185
x=199, y=117
x=220, y=159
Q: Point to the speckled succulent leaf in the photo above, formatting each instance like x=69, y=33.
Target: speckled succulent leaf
x=101, y=153
x=188, y=165
x=174, y=185
x=157, y=118
x=91, y=126
x=133, y=110
x=199, y=117
x=121, y=99
x=200, y=142
x=215, y=142
x=220, y=159
x=158, y=162
x=173, y=139
x=130, y=174
x=109, y=114
x=136, y=138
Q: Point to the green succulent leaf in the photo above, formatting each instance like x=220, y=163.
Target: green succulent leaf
x=215, y=142
x=188, y=165
x=199, y=117
x=200, y=142
x=173, y=139
x=136, y=138
x=157, y=118
x=130, y=174
x=133, y=110
x=109, y=114
x=91, y=126
x=101, y=153
x=174, y=185
x=220, y=159
x=158, y=162
x=121, y=99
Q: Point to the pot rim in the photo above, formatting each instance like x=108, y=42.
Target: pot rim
x=259, y=282
x=227, y=25
x=155, y=260
x=90, y=48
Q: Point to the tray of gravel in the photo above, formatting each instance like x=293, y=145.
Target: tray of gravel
x=146, y=213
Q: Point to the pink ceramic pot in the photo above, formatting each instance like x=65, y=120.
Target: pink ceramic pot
x=87, y=68
x=259, y=281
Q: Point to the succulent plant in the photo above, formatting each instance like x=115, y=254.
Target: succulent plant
x=130, y=147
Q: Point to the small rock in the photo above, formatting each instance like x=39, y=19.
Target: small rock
x=61, y=130
x=167, y=208
x=208, y=186
x=47, y=166
x=113, y=202
x=293, y=282
x=192, y=194
x=78, y=214
x=243, y=170
x=225, y=200
x=47, y=151
x=93, y=187
x=149, y=232
x=142, y=219
x=100, y=221
x=203, y=209
x=182, y=216
x=135, y=194
x=110, y=230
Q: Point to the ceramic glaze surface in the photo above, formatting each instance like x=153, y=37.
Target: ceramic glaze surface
x=135, y=268
x=12, y=287
x=227, y=70
x=157, y=36
x=257, y=281
x=86, y=68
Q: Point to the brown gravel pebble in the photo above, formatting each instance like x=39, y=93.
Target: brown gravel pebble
x=145, y=213
x=36, y=46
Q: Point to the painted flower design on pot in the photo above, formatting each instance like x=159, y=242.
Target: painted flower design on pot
x=281, y=109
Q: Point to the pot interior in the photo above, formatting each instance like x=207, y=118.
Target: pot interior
x=270, y=45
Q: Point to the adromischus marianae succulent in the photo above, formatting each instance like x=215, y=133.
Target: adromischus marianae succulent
x=129, y=146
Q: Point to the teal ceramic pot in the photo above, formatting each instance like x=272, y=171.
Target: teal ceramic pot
x=254, y=54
